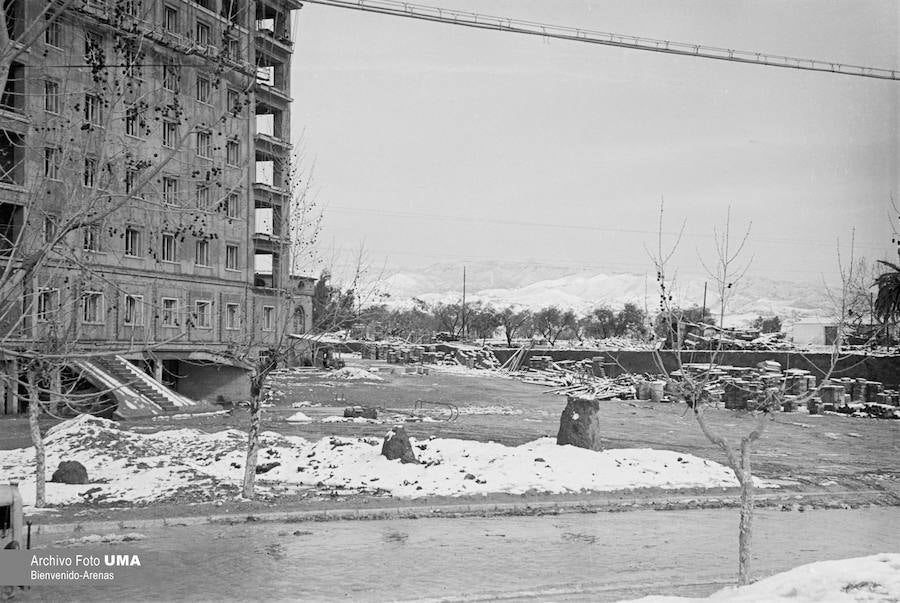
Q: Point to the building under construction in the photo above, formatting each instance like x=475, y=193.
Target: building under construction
x=145, y=198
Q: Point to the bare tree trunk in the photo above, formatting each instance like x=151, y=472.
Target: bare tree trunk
x=256, y=391
x=34, y=412
x=745, y=536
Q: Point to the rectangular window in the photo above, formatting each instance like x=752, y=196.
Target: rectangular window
x=268, y=318
x=50, y=223
x=93, y=48
x=132, y=124
x=171, y=76
x=204, y=144
x=201, y=253
x=53, y=33
x=233, y=98
x=232, y=206
x=233, y=49
x=170, y=20
x=132, y=242
x=133, y=313
x=203, y=89
x=203, y=314
x=91, y=238
x=130, y=59
x=232, y=316
x=51, y=97
x=93, y=110
x=47, y=304
x=92, y=307
x=170, y=190
x=233, y=152
x=51, y=162
x=131, y=176
x=170, y=134
x=169, y=312
x=203, y=197
x=89, y=178
x=167, y=253
x=202, y=33
x=231, y=257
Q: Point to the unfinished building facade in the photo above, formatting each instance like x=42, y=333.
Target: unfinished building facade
x=145, y=196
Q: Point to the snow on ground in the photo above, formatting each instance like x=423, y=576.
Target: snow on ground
x=298, y=417
x=352, y=373
x=188, y=465
x=873, y=578
x=464, y=371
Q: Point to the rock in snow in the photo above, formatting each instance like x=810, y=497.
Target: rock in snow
x=579, y=424
x=70, y=472
x=397, y=446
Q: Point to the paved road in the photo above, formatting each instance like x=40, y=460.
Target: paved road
x=595, y=557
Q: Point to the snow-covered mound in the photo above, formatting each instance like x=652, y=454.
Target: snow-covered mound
x=352, y=373
x=188, y=465
x=873, y=578
x=298, y=417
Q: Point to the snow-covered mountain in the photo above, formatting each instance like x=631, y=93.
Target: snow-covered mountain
x=538, y=285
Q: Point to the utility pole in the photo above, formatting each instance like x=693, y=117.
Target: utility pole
x=703, y=312
x=464, y=305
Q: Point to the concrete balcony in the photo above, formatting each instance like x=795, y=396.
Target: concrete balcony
x=271, y=145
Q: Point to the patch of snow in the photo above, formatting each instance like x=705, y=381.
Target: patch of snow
x=298, y=417
x=104, y=539
x=873, y=578
x=352, y=373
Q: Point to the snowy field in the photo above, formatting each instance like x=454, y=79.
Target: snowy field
x=188, y=465
x=873, y=578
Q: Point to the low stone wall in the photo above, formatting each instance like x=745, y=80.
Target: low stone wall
x=885, y=369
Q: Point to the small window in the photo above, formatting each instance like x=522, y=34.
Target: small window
x=91, y=238
x=232, y=205
x=89, y=179
x=50, y=228
x=232, y=316
x=204, y=89
x=133, y=313
x=201, y=253
x=233, y=152
x=131, y=60
x=204, y=144
x=233, y=49
x=202, y=33
x=170, y=134
x=235, y=105
x=132, y=123
x=131, y=177
x=169, y=312
x=132, y=242
x=92, y=307
x=203, y=314
x=231, y=257
x=170, y=20
x=203, y=197
x=268, y=318
x=51, y=162
x=170, y=190
x=93, y=48
x=167, y=253
x=47, y=304
x=93, y=110
x=52, y=33
x=51, y=96
x=171, y=76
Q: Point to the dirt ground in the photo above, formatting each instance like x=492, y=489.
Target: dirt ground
x=813, y=454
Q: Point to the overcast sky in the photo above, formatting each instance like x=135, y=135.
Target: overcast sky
x=437, y=143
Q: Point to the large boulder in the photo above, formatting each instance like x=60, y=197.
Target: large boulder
x=397, y=446
x=70, y=472
x=579, y=424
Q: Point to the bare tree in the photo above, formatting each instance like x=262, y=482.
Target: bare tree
x=695, y=386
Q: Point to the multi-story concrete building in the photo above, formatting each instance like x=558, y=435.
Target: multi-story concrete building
x=145, y=145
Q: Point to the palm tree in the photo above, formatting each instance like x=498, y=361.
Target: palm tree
x=887, y=303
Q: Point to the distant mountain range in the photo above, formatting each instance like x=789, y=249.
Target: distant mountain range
x=533, y=286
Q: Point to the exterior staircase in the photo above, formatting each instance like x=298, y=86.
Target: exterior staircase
x=137, y=393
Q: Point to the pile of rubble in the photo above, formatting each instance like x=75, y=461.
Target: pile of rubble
x=431, y=354
x=708, y=337
x=744, y=388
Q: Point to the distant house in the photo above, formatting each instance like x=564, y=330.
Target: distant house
x=814, y=331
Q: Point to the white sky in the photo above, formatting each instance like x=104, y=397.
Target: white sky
x=437, y=143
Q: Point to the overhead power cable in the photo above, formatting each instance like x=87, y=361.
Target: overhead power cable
x=576, y=34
